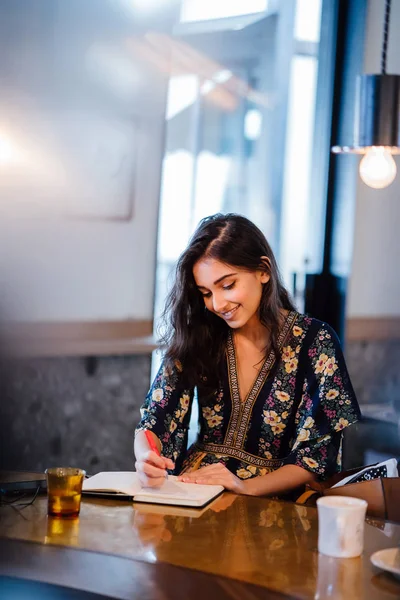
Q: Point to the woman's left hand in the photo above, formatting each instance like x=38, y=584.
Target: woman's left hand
x=216, y=474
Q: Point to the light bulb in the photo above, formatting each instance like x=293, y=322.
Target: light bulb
x=377, y=168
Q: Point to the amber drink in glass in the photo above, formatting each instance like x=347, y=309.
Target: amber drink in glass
x=64, y=489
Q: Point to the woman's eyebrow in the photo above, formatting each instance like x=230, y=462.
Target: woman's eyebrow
x=202, y=287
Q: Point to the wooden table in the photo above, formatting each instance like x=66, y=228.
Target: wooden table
x=237, y=547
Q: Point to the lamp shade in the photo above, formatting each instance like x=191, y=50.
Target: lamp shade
x=377, y=115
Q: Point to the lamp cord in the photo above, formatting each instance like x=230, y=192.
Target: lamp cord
x=385, y=36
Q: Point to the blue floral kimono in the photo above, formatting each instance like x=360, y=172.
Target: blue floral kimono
x=294, y=413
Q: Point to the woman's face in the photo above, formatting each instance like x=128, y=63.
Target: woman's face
x=230, y=292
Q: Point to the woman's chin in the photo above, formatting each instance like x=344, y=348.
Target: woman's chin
x=235, y=323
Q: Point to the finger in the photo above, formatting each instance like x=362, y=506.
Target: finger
x=149, y=469
x=187, y=477
x=210, y=469
x=227, y=482
x=156, y=460
x=169, y=464
x=211, y=481
x=201, y=478
x=207, y=469
x=214, y=477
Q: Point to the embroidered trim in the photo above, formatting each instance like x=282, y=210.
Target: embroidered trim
x=239, y=454
x=234, y=390
x=241, y=411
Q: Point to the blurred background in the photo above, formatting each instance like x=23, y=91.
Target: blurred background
x=122, y=124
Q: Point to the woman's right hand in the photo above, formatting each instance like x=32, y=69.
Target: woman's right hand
x=152, y=468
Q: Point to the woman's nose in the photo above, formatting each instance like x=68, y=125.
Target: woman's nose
x=219, y=303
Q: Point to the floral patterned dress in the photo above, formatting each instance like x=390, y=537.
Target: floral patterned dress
x=294, y=413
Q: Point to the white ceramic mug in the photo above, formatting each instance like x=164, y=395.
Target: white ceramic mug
x=341, y=526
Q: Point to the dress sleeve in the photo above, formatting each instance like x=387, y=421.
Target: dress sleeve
x=328, y=405
x=166, y=411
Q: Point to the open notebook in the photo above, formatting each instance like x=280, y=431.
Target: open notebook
x=171, y=492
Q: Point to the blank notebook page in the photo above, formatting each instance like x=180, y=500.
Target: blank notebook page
x=127, y=482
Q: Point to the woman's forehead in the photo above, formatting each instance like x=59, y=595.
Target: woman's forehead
x=210, y=269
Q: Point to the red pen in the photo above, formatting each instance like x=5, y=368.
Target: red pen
x=152, y=445
x=151, y=442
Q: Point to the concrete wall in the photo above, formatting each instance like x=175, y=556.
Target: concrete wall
x=56, y=412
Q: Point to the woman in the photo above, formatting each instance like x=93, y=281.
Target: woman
x=272, y=385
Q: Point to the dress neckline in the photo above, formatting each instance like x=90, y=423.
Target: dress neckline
x=242, y=409
x=262, y=361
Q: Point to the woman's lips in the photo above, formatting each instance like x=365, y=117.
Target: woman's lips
x=230, y=314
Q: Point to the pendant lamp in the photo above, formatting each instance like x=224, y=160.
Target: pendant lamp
x=377, y=124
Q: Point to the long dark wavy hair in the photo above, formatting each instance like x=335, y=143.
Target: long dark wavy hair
x=197, y=337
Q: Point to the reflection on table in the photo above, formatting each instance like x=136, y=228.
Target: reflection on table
x=269, y=543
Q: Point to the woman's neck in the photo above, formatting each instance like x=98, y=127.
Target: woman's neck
x=256, y=333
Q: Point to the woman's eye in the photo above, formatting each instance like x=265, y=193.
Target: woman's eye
x=207, y=295
x=229, y=287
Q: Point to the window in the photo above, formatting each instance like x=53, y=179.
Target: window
x=240, y=128
x=202, y=10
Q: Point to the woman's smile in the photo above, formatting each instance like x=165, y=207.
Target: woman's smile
x=229, y=314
